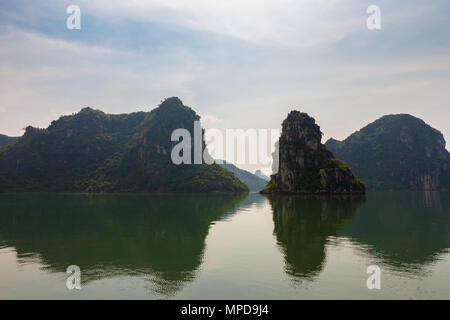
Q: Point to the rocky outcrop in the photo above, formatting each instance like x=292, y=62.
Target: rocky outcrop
x=306, y=166
x=92, y=151
x=397, y=152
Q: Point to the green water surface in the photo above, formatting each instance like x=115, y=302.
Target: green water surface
x=224, y=246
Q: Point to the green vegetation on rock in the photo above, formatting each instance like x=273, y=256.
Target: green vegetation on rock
x=96, y=152
x=397, y=152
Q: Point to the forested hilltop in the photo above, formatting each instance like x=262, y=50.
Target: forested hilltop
x=92, y=151
x=397, y=152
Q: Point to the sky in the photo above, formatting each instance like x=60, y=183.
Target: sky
x=237, y=63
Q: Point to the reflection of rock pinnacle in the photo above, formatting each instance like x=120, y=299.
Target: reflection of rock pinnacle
x=303, y=225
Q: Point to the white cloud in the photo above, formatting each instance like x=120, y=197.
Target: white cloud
x=211, y=122
x=43, y=77
x=299, y=23
x=246, y=86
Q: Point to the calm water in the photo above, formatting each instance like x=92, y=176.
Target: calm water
x=213, y=247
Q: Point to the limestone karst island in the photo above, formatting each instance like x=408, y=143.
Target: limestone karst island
x=251, y=152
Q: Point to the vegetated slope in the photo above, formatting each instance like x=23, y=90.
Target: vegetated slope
x=397, y=152
x=96, y=152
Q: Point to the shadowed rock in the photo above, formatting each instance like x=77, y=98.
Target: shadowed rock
x=306, y=166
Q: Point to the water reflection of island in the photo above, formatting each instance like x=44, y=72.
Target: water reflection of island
x=303, y=225
x=160, y=237
x=406, y=230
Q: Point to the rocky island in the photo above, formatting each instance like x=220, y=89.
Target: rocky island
x=397, y=152
x=306, y=166
x=92, y=151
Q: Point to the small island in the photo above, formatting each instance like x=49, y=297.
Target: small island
x=306, y=166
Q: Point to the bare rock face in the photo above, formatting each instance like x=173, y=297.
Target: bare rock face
x=306, y=166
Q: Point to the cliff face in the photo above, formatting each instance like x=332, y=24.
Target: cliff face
x=96, y=152
x=397, y=152
x=306, y=166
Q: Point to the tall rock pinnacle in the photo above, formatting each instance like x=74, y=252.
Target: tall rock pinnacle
x=306, y=166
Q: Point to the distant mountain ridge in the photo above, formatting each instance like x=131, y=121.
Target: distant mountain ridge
x=260, y=174
x=397, y=152
x=92, y=151
x=4, y=140
x=253, y=182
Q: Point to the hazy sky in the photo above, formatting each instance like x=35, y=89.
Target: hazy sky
x=239, y=63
